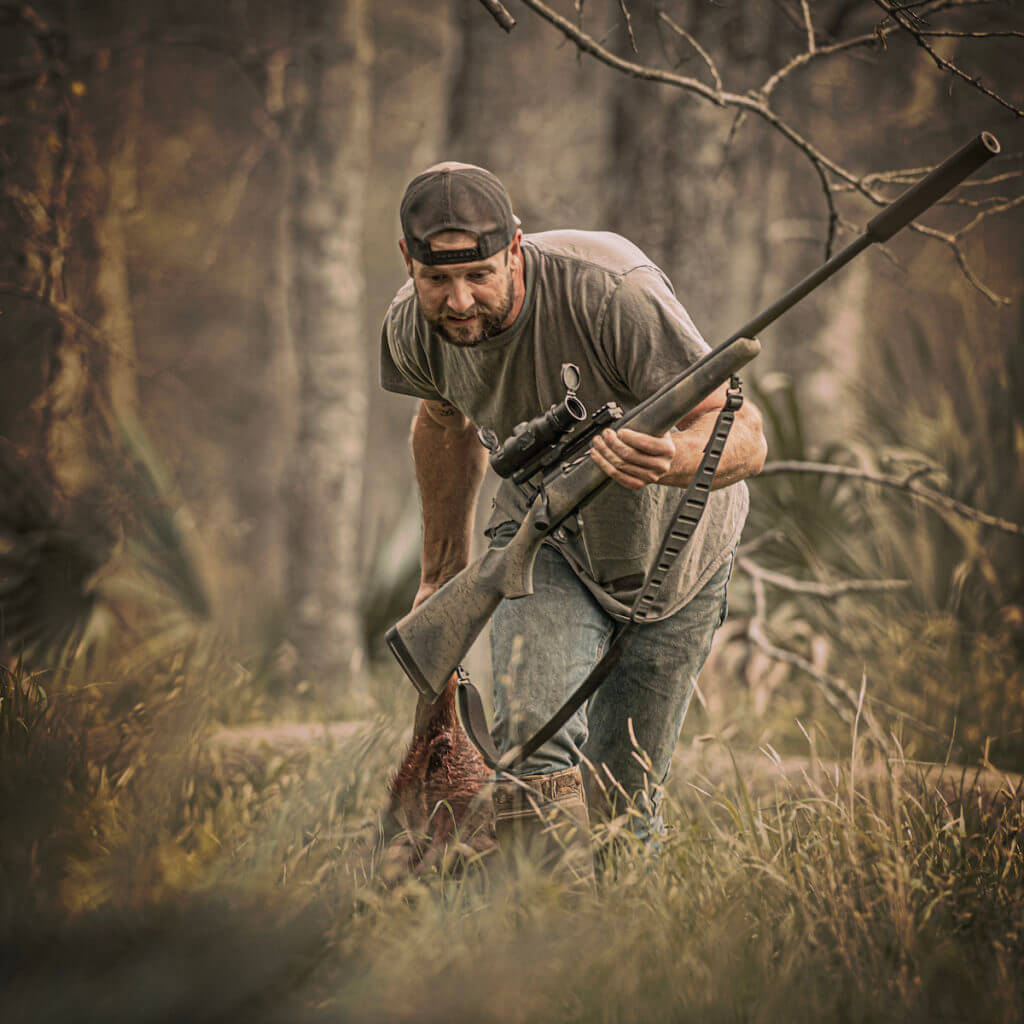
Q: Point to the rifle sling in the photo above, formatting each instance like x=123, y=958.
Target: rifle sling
x=690, y=509
x=688, y=514
x=474, y=721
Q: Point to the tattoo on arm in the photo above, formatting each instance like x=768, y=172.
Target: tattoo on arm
x=444, y=414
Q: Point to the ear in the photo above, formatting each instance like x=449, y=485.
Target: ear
x=515, y=249
x=405, y=255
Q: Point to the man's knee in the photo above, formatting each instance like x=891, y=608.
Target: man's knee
x=561, y=752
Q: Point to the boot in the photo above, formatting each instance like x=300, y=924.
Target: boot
x=544, y=818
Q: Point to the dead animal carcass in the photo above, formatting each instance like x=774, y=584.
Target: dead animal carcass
x=440, y=805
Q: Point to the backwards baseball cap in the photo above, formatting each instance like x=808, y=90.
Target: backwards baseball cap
x=456, y=197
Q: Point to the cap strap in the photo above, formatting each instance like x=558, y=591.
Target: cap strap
x=434, y=257
x=488, y=243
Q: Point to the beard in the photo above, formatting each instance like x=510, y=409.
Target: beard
x=491, y=320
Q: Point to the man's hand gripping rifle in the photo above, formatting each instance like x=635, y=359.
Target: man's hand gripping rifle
x=432, y=640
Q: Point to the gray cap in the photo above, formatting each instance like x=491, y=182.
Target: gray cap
x=456, y=197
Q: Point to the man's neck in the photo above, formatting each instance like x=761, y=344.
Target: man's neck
x=518, y=290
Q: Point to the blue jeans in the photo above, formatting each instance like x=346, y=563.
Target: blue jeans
x=544, y=646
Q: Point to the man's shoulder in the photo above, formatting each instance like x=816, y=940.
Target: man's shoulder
x=402, y=317
x=403, y=303
x=405, y=361
x=404, y=331
x=583, y=251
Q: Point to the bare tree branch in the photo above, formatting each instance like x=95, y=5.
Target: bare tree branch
x=752, y=103
x=908, y=175
x=29, y=15
x=950, y=33
x=833, y=213
x=748, y=547
x=806, y=11
x=578, y=5
x=590, y=45
x=629, y=25
x=906, y=21
x=953, y=241
x=870, y=39
x=989, y=204
x=499, y=12
x=905, y=484
x=839, y=694
x=680, y=31
x=933, y=6
x=968, y=271
x=828, y=591
x=758, y=103
x=1000, y=207
x=836, y=692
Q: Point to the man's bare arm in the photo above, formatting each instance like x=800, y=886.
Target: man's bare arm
x=450, y=463
x=636, y=460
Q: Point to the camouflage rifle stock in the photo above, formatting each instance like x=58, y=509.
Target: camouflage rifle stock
x=431, y=641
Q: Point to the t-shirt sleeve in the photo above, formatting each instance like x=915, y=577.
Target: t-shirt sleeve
x=399, y=371
x=647, y=334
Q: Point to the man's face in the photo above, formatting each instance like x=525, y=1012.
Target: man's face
x=466, y=302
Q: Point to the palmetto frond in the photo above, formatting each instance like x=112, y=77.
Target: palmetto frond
x=59, y=568
x=45, y=568
x=157, y=527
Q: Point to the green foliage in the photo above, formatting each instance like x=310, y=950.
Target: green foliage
x=158, y=527
x=73, y=575
x=957, y=401
x=814, y=519
x=45, y=568
x=941, y=657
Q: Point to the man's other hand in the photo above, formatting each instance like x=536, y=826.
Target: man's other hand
x=633, y=459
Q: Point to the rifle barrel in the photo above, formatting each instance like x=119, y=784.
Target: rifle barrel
x=900, y=212
x=801, y=290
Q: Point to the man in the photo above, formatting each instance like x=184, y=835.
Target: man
x=479, y=335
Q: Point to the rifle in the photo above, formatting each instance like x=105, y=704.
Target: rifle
x=432, y=639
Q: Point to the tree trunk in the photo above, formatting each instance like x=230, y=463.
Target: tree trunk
x=109, y=161
x=331, y=105
x=66, y=307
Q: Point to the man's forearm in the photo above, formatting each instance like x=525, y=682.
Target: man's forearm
x=450, y=464
x=635, y=460
x=742, y=457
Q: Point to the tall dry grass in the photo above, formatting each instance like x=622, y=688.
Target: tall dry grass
x=177, y=881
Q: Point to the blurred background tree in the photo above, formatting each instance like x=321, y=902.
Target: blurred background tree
x=198, y=228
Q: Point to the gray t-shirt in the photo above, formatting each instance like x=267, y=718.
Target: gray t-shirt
x=593, y=299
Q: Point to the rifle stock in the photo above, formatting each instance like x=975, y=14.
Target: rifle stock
x=431, y=641
x=433, y=638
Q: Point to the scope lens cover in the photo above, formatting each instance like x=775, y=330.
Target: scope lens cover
x=571, y=377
